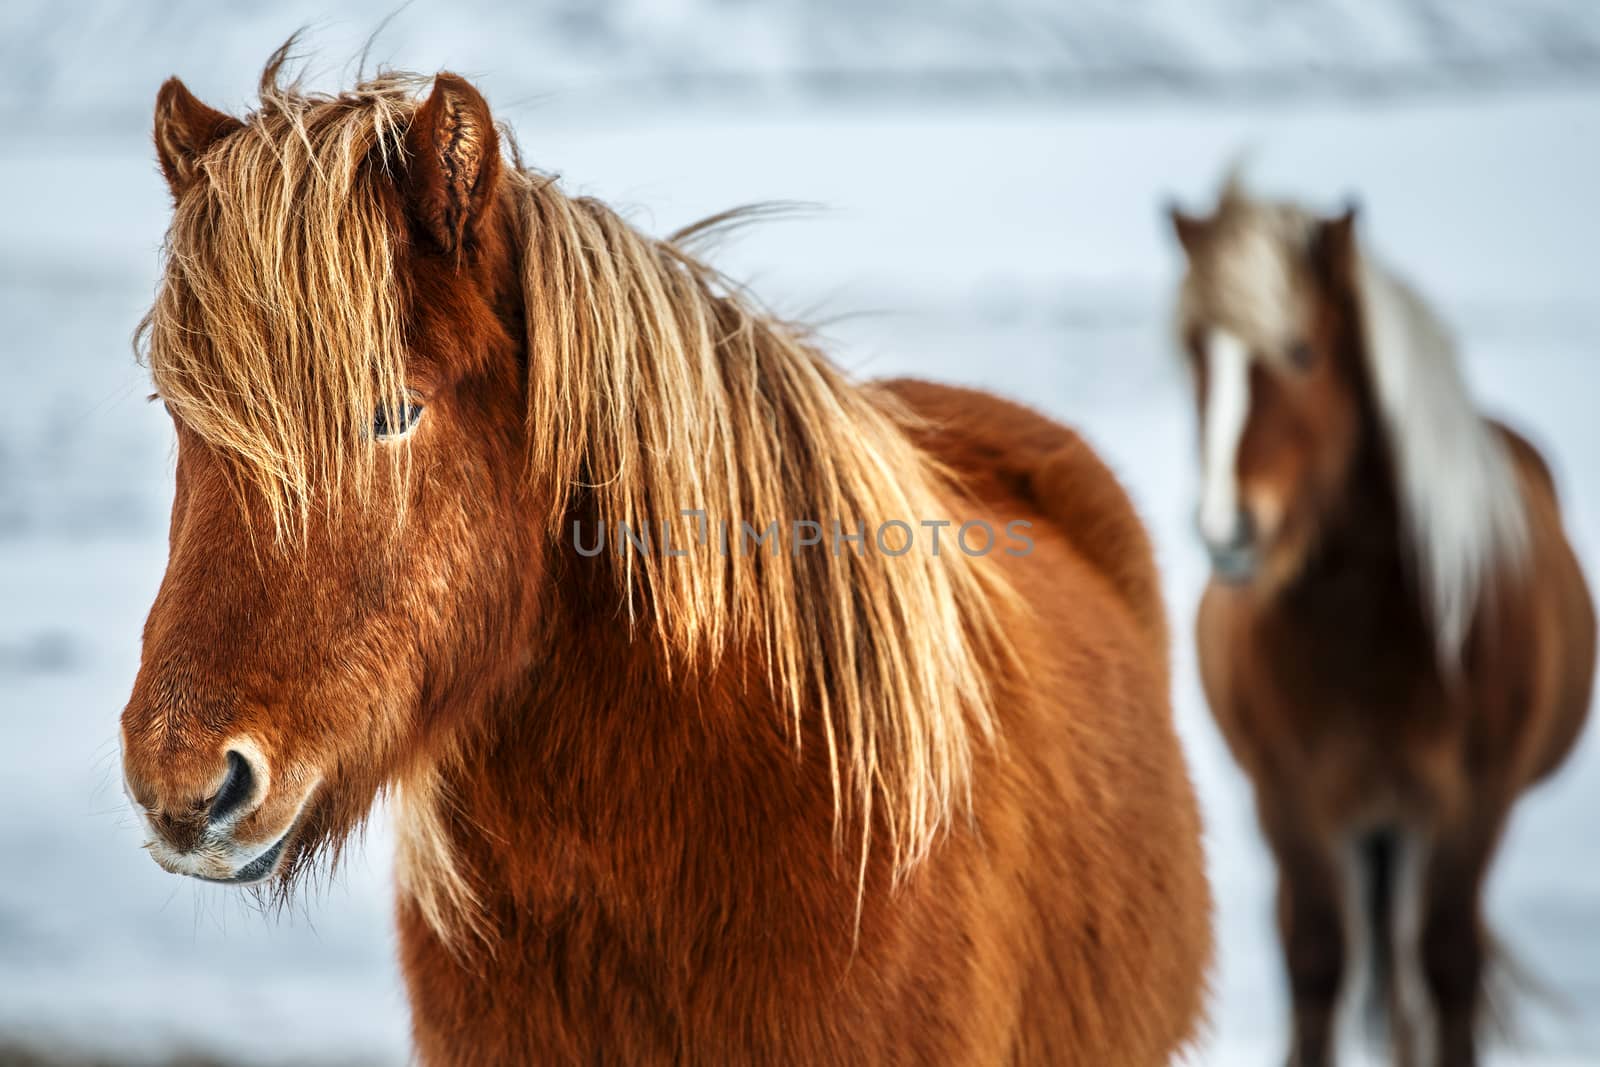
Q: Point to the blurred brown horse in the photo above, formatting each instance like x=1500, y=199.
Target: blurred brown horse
x=775, y=804
x=1397, y=640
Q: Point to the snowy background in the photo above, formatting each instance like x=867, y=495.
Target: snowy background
x=989, y=178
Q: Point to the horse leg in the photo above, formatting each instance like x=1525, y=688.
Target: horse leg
x=1407, y=999
x=1311, y=927
x=1453, y=943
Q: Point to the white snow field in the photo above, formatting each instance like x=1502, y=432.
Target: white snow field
x=1018, y=247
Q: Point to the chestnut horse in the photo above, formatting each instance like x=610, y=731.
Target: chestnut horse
x=837, y=804
x=1397, y=639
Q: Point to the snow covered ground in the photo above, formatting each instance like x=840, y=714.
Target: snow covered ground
x=1017, y=246
x=580, y=54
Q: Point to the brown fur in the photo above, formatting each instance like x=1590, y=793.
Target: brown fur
x=1326, y=673
x=771, y=809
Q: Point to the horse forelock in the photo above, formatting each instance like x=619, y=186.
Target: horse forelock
x=1248, y=276
x=654, y=387
x=277, y=330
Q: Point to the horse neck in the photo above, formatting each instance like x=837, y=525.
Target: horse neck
x=1361, y=533
x=608, y=775
x=555, y=747
x=608, y=767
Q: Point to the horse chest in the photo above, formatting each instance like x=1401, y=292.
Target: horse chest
x=1347, y=713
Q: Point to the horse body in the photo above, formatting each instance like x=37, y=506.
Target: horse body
x=1385, y=760
x=1330, y=687
x=1362, y=719
x=1328, y=699
x=665, y=887
x=805, y=806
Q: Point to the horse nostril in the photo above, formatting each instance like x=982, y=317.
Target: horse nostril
x=237, y=789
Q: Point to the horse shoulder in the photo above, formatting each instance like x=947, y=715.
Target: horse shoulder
x=1092, y=790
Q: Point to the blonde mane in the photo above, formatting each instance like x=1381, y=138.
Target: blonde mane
x=1459, y=495
x=654, y=386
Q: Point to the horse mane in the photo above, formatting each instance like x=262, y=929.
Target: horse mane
x=1459, y=495
x=1460, y=501
x=654, y=385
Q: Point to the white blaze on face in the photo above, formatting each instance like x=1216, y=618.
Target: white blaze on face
x=1227, y=409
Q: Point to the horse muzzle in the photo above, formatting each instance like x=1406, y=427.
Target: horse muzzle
x=1234, y=564
x=206, y=838
x=1233, y=545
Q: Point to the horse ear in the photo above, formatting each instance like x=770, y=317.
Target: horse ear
x=1334, y=247
x=184, y=129
x=1191, y=229
x=452, y=164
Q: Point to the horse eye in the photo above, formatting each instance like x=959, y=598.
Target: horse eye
x=1301, y=355
x=389, y=424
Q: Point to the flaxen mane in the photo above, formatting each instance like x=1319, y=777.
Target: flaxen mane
x=1461, y=505
x=1458, y=488
x=653, y=387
